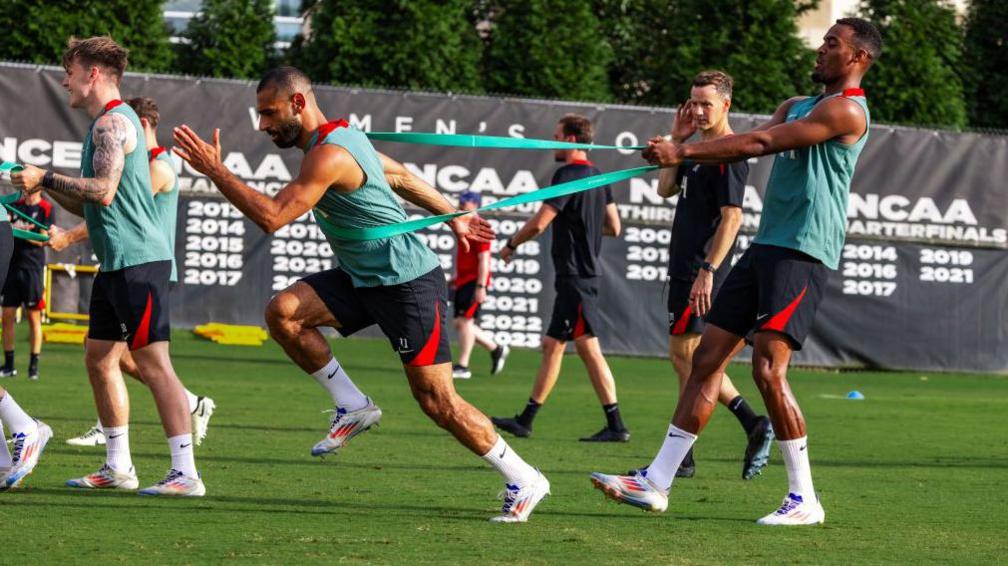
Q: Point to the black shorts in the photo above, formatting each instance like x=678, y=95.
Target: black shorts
x=575, y=312
x=771, y=288
x=465, y=306
x=412, y=315
x=23, y=287
x=131, y=305
x=681, y=318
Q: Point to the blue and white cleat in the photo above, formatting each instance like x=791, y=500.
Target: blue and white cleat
x=796, y=511
x=519, y=501
x=757, y=453
x=107, y=478
x=176, y=484
x=345, y=425
x=634, y=490
x=28, y=447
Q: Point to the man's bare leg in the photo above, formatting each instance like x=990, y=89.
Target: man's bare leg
x=546, y=378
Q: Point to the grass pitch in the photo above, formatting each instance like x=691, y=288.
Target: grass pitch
x=915, y=473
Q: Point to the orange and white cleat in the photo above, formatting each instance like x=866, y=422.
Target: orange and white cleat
x=28, y=448
x=346, y=425
x=107, y=478
x=519, y=501
x=176, y=484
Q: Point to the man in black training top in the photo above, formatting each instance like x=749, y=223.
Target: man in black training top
x=707, y=220
x=579, y=222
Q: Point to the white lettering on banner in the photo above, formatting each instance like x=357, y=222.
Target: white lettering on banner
x=67, y=154
x=895, y=208
x=32, y=152
x=516, y=131
x=272, y=167
x=254, y=116
x=454, y=178
x=8, y=150
x=403, y=124
x=752, y=200
x=442, y=127
x=625, y=139
x=237, y=164
x=450, y=178
x=363, y=124
x=644, y=190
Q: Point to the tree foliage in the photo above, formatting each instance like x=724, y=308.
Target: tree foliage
x=229, y=38
x=915, y=81
x=417, y=44
x=548, y=48
x=37, y=32
x=985, y=59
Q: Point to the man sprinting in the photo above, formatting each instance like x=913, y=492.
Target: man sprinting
x=707, y=219
x=472, y=276
x=579, y=222
x=395, y=282
x=24, y=287
x=775, y=288
x=30, y=436
x=164, y=184
x=129, y=298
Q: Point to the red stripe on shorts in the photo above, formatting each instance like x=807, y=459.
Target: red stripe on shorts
x=142, y=336
x=429, y=351
x=680, y=325
x=779, y=321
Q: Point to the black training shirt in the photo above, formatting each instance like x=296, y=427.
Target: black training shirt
x=703, y=190
x=577, y=229
x=27, y=255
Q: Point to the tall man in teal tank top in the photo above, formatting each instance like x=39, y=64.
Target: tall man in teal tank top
x=396, y=282
x=773, y=292
x=165, y=187
x=129, y=299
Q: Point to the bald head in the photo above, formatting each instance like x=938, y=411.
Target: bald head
x=286, y=81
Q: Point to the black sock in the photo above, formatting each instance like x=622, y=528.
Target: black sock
x=613, y=419
x=33, y=363
x=9, y=359
x=743, y=412
x=528, y=415
x=688, y=460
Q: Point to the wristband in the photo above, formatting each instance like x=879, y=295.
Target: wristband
x=510, y=246
x=47, y=179
x=708, y=266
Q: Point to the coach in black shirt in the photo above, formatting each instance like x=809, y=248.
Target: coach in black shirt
x=579, y=221
x=707, y=219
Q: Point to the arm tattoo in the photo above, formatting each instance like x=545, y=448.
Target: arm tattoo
x=109, y=137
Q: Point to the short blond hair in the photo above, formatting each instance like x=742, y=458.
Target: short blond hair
x=101, y=51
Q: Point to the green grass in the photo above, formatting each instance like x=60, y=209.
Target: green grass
x=916, y=473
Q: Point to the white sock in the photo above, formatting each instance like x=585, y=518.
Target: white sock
x=510, y=465
x=799, y=471
x=677, y=443
x=13, y=416
x=5, y=456
x=182, y=455
x=343, y=391
x=117, y=451
x=193, y=400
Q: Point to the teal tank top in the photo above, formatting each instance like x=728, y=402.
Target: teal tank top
x=127, y=232
x=805, y=207
x=373, y=263
x=167, y=206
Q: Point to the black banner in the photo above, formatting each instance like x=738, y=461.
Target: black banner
x=921, y=283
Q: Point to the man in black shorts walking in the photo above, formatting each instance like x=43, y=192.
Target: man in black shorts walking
x=707, y=220
x=579, y=222
x=24, y=285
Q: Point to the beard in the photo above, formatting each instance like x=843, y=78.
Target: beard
x=818, y=78
x=286, y=134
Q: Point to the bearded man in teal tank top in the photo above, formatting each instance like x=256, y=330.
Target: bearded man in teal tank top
x=129, y=298
x=773, y=292
x=396, y=283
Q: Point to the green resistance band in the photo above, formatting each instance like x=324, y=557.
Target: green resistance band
x=25, y=235
x=13, y=168
x=25, y=216
x=487, y=142
x=6, y=200
x=570, y=187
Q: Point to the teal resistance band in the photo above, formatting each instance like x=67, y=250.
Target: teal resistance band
x=487, y=142
x=570, y=187
x=6, y=200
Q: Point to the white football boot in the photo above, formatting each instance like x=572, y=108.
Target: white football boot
x=634, y=490
x=201, y=418
x=345, y=425
x=519, y=501
x=107, y=478
x=93, y=437
x=28, y=448
x=176, y=484
x=796, y=511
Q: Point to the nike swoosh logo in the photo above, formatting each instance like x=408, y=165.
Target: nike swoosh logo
x=762, y=316
x=115, y=436
x=186, y=445
x=674, y=435
x=802, y=449
x=403, y=351
x=333, y=373
x=503, y=452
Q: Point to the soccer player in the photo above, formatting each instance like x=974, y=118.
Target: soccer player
x=166, y=192
x=579, y=222
x=775, y=288
x=24, y=286
x=395, y=282
x=472, y=275
x=29, y=435
x=129, y=299
x=707, y=220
